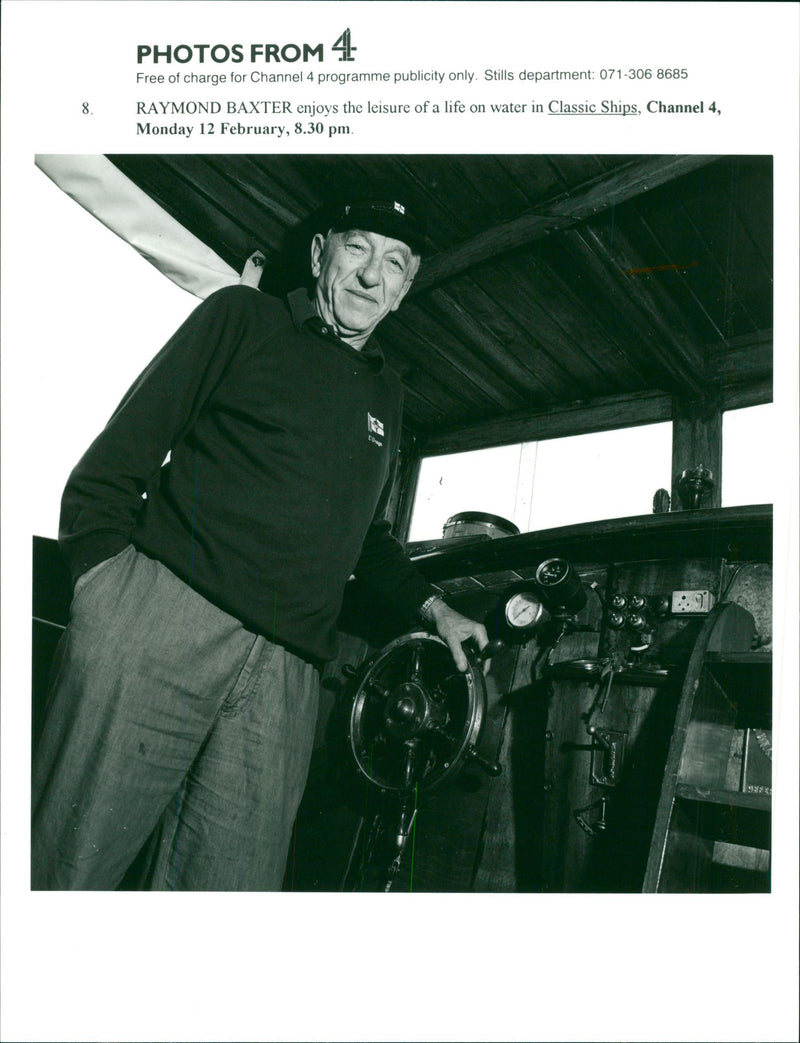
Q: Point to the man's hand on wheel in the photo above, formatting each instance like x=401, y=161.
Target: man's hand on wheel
x=454, y=629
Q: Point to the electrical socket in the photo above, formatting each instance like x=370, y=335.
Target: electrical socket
x=692, y=602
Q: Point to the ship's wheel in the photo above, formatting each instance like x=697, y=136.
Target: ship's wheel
x=416, y=718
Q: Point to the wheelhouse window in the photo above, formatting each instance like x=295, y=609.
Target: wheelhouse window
x=751, y=455
x=542, y=485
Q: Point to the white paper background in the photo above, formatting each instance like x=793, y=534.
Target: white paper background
x=366, y=967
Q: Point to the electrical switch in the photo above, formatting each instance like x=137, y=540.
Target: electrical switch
x=692, y=602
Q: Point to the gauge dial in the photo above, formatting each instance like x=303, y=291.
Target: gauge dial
x=523, y=610
x=551, y=572
x=561, y=587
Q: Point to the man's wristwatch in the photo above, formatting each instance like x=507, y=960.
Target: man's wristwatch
x=424, y=610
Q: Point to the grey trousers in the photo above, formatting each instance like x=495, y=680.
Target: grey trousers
x=168, y=723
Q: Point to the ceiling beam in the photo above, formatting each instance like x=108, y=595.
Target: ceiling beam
x=575, y=418
x=617, y=186
x=743, y=396
x=746, y=358
x=583, y=417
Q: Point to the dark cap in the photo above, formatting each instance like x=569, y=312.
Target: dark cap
x=386, y=216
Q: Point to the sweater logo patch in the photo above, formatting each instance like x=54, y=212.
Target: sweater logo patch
x=375, y=431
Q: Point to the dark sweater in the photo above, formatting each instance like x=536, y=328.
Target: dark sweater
x=282, y=441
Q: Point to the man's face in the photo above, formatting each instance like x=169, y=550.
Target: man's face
x=361, y=277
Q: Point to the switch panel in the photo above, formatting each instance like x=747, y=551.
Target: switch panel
x=692, y=602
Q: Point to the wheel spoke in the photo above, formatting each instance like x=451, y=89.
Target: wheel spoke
x=376, y=688
x=416, y=657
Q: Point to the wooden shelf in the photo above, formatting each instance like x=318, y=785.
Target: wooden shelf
x=730, y=798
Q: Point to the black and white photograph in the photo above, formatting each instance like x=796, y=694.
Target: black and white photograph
x=400, y=462
x=564, y=501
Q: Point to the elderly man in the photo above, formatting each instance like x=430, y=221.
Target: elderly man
x=207, y=588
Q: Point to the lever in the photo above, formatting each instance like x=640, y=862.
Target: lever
x=488, y=652
x=599, y=737
x=600, y=700
x=485, y=765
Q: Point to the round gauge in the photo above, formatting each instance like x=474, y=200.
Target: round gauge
x=551, y=572
x=523, y=610
x=560, y=586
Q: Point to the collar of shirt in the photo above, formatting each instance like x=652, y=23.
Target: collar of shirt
x=304, y=316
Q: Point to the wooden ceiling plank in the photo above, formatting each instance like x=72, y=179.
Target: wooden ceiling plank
x=562, y=331
x=175, y=187
x=550, y=329
x=597, y=319
x=536, y=180
x=685, y=286
x=282, y=171
x=423, y=409
x=482, y=301
x=611, y=189
x=480, y=296
x=705, y=226
x=651, y=290
x=725, y=324
x=428, y=377
x=737, y=277
x=486, y=181
x=737, y=233
x=441, y=219
x=210, y=184
x=555, y=340
x=422, y=370
x=440, y=353
x=707, y=256
x=509, y=188
x=418, y=413
x=257, y=184
x=667, y=354
x=449, y=408
x=435, y=186
x=549, y=375
x=765, y=220
x=444, y=307
x=321, y=179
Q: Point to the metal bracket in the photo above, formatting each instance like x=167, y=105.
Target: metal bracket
x=608, y=756
x=597, y=827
